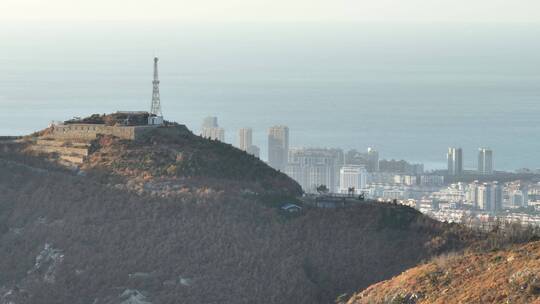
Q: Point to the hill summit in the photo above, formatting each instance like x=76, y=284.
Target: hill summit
x=163, y=160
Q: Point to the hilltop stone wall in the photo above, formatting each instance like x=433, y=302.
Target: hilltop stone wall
x=9, y=138
x=60, y=150
x=87, y=132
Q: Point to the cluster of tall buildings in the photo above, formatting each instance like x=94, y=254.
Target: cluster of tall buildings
x=358, y=171
x=455, y=161
x=340, y=172
x=312, y=167
x=490, y=197
x=485, y=196
x=210, y=129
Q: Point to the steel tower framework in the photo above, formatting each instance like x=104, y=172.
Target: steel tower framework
x=156, y=102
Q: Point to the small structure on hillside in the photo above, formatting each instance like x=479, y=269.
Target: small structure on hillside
x=123, y=124
x=332, y=200
x=71, y=140
x=290, y=207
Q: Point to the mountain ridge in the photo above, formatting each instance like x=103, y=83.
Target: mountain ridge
x=88, y=234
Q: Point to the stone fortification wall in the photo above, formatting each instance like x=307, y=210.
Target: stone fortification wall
x=91, y=131
x=60, y=150
x=9, y=138
x=61, y=143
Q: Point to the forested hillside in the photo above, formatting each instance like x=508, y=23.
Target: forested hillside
x=66, y=238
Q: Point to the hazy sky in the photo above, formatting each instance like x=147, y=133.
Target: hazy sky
x=500, y=11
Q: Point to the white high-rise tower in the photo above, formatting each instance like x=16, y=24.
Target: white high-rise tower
x=485, y=161
x=245, y=138
x=278, y=147
x=455, y=161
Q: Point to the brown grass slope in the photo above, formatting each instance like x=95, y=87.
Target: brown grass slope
x=505, y=276
x=173, y=152
x=224, y=248
x=171, y=160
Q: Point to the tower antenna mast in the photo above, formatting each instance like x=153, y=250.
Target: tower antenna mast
x=156, y=102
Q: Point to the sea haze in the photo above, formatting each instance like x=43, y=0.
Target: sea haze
x=408, y=90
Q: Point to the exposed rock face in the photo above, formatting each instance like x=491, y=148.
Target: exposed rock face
x=47, y=263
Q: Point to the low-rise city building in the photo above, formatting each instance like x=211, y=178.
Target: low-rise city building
x=312, y=167
x=352, y=177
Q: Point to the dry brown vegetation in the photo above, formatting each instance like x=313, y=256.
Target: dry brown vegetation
x=222, y=248
x=500, y=276
x=173, y=156
x=176, y=218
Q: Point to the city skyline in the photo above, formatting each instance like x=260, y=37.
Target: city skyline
x=365, y=174
x=454, y=156
x=355, y=172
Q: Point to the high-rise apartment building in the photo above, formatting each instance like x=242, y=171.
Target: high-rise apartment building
x=485, y=161
x=372, y=160
x=245, y=138
x=254, y=150
x=278, y=147
x=312, y=167
x=210, y=122
x=489, y=197
x=471, y=196
x=245, y=142
x=210, y=129
x=431, y=180
x=400, y=167
x=214, y=133
x=351, y=176
x=455, y=161
x=484, y=196
x=517, y=194
x=369, y=159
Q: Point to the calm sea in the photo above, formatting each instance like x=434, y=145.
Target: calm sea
x=410, y=91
